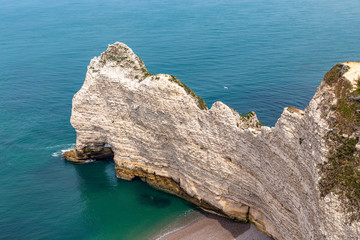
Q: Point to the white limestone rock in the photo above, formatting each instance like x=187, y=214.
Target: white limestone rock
x=247, y=171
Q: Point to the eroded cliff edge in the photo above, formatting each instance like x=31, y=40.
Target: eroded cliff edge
x=277, y=178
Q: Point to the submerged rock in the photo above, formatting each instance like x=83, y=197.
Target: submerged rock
x=162, y=132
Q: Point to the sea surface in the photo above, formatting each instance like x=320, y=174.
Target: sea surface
x=254, y=55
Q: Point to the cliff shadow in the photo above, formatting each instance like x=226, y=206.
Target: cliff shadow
x=239, y=230
x=154, y=197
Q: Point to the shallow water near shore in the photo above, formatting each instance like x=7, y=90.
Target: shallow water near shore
x=253, y=55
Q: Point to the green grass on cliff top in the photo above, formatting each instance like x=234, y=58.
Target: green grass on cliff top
x=341, y=174
x=200, y=102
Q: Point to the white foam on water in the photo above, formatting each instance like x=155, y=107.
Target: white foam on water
x=55, y=154
x=70, y=146
x=90, y=160
x=183, y=221
x=60, y=152
x=170, y=232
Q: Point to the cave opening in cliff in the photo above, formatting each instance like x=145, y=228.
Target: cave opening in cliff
x=107, y=153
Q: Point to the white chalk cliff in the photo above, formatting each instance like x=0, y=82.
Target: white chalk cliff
x=160, y=131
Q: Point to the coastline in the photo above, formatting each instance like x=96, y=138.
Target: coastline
x=201, y=225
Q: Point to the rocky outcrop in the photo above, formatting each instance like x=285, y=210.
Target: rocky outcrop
x=86, y=154
x=277, y=178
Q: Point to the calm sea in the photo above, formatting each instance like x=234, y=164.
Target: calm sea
x=259, y=55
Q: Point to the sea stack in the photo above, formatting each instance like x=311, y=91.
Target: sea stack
x=297, y=180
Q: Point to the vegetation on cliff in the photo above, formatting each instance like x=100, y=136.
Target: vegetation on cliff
x=341, y=174
x=200, y=102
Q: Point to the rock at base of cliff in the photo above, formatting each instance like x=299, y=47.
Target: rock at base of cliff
x=82, y=156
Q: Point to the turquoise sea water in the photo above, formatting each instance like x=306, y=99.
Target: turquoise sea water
x=269, y=54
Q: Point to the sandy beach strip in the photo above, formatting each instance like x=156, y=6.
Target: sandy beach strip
x=213, y=227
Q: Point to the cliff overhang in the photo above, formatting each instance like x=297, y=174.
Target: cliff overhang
x=292, y=180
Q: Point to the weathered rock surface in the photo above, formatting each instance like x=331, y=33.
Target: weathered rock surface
x=160, y=131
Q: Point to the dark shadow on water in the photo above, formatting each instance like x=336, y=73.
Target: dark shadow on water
x=154, y=201
x=153, y=197
x=100, y=176
x=93, y=175
x=104, y=194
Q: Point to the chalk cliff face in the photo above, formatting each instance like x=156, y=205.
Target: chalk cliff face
x=160, y=131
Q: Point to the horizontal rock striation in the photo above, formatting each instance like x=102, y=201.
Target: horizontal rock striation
x=161, y=131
